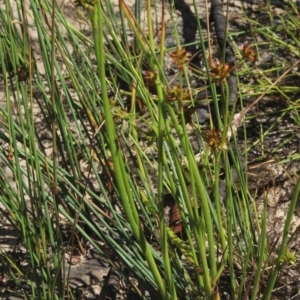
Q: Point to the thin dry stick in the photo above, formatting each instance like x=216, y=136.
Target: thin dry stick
x=237, y=120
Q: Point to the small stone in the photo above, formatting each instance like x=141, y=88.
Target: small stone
x=238, y=3
x=74, y=260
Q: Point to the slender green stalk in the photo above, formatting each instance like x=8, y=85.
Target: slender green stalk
x=120, y=172
x=283, y=246
x=261, y=252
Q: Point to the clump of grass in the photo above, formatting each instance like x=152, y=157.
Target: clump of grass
x=105, y=178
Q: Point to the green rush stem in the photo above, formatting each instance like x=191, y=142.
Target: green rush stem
x=161, y=155
x=198, y=224
x=120, y=173
x=285, y=235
